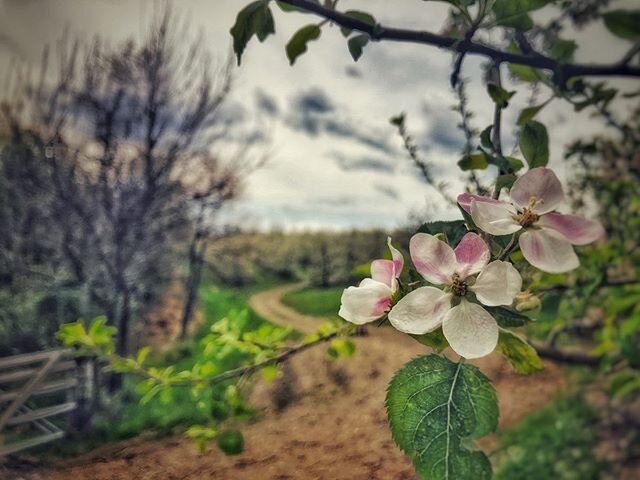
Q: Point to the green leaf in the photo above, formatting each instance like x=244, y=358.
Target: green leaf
x=522, y=356
x=254, y=19
x=524, y=73
x=624, y=384
x=505, y=181
x=142, y=355
x=513, y=13
x=485, y=137
x=434, y=406
x=534, y=144
x=343, y=347
x=515, y=164
x=270, y=372
x=435, y=340
x=453, y=230
x=623, y=23
x=499, y=95
x=298, y=43
x=507, y=317
x=563, y=50
x=473, y=161
x=358, y=15
x=356, y=44
x=231, y=442
x=528, y=113
x=285, y=7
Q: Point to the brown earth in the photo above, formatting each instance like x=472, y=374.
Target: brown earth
x=320, y=420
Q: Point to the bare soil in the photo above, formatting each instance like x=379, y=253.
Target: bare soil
x=319, y=420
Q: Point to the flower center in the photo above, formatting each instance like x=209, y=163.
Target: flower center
x=458, y=286
x=528, y=217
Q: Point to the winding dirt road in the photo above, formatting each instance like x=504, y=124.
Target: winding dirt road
x=320, y=420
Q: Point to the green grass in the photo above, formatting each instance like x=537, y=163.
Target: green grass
x=323, y=302
x=553, y=443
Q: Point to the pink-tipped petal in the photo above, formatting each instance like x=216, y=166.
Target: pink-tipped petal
x=470, y=330
x=398, y=259
x=472, y=254
x=548, y=250
x=497, y=284
x=539, y=183
x=420, y=311
x=433, y=259
x=578, y=230
x=383, y=271
x=495, y=218
x=465, y=199
x=366, y=302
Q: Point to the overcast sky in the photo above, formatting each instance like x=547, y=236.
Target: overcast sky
x=335, y=159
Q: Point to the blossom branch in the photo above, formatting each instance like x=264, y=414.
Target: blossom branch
x=562, y=71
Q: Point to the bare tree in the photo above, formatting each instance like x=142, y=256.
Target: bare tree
x=126, y=134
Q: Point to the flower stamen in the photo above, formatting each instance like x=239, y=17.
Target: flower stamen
x=458, y=286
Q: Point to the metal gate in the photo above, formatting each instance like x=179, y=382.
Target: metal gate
x=30, y=386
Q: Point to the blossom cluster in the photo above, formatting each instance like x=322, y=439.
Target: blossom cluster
x=464, y=280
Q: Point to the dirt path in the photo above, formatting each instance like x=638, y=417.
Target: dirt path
x=320, y=421
x=267, y=304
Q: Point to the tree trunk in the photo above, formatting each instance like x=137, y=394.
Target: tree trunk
x=196, y=261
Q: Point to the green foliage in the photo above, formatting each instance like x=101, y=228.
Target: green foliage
x=254, y=19
x=434, y=407
x=553, y=443
x=473, y=161
x=341, y=347
x=534, y=144
x=231, y=442
x=298, y=43
x=623, y=23
x=356, y=44
x=522, y=356
x=563, y=50
x=99, y=336
x=435, y=340
x=499, y=95
x=625, y=384
x=507, y=317
x=453, y=230
x=513, y=13
x=527, y=114
x=201, y=435
x=525, y=73
x=285, y=7
x=358, y=15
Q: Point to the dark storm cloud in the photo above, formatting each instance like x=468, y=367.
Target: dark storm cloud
x=314, y=100
x=444, y=135
x=387, y=191
x=266, y=103
x=362, y=163
x=313, y=112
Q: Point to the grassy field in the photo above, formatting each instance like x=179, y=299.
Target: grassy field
x=555, y=442
x=323, y=302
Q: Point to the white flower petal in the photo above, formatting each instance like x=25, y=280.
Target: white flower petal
x=383, y=271
x=498, y=284
x=433, y=259
x=420, y=311
x=548, y=250
x=539, y=183
x=398, y=259
x=578, y=230
x=472, y=254
x=470, y=330
x=366, y=302
x=465, y=199
x=495, y=218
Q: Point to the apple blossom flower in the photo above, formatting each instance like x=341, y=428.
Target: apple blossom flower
x=548, y=236
x=371, y=299
x=470, y=330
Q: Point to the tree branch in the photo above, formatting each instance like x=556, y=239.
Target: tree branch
x=562, y=72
